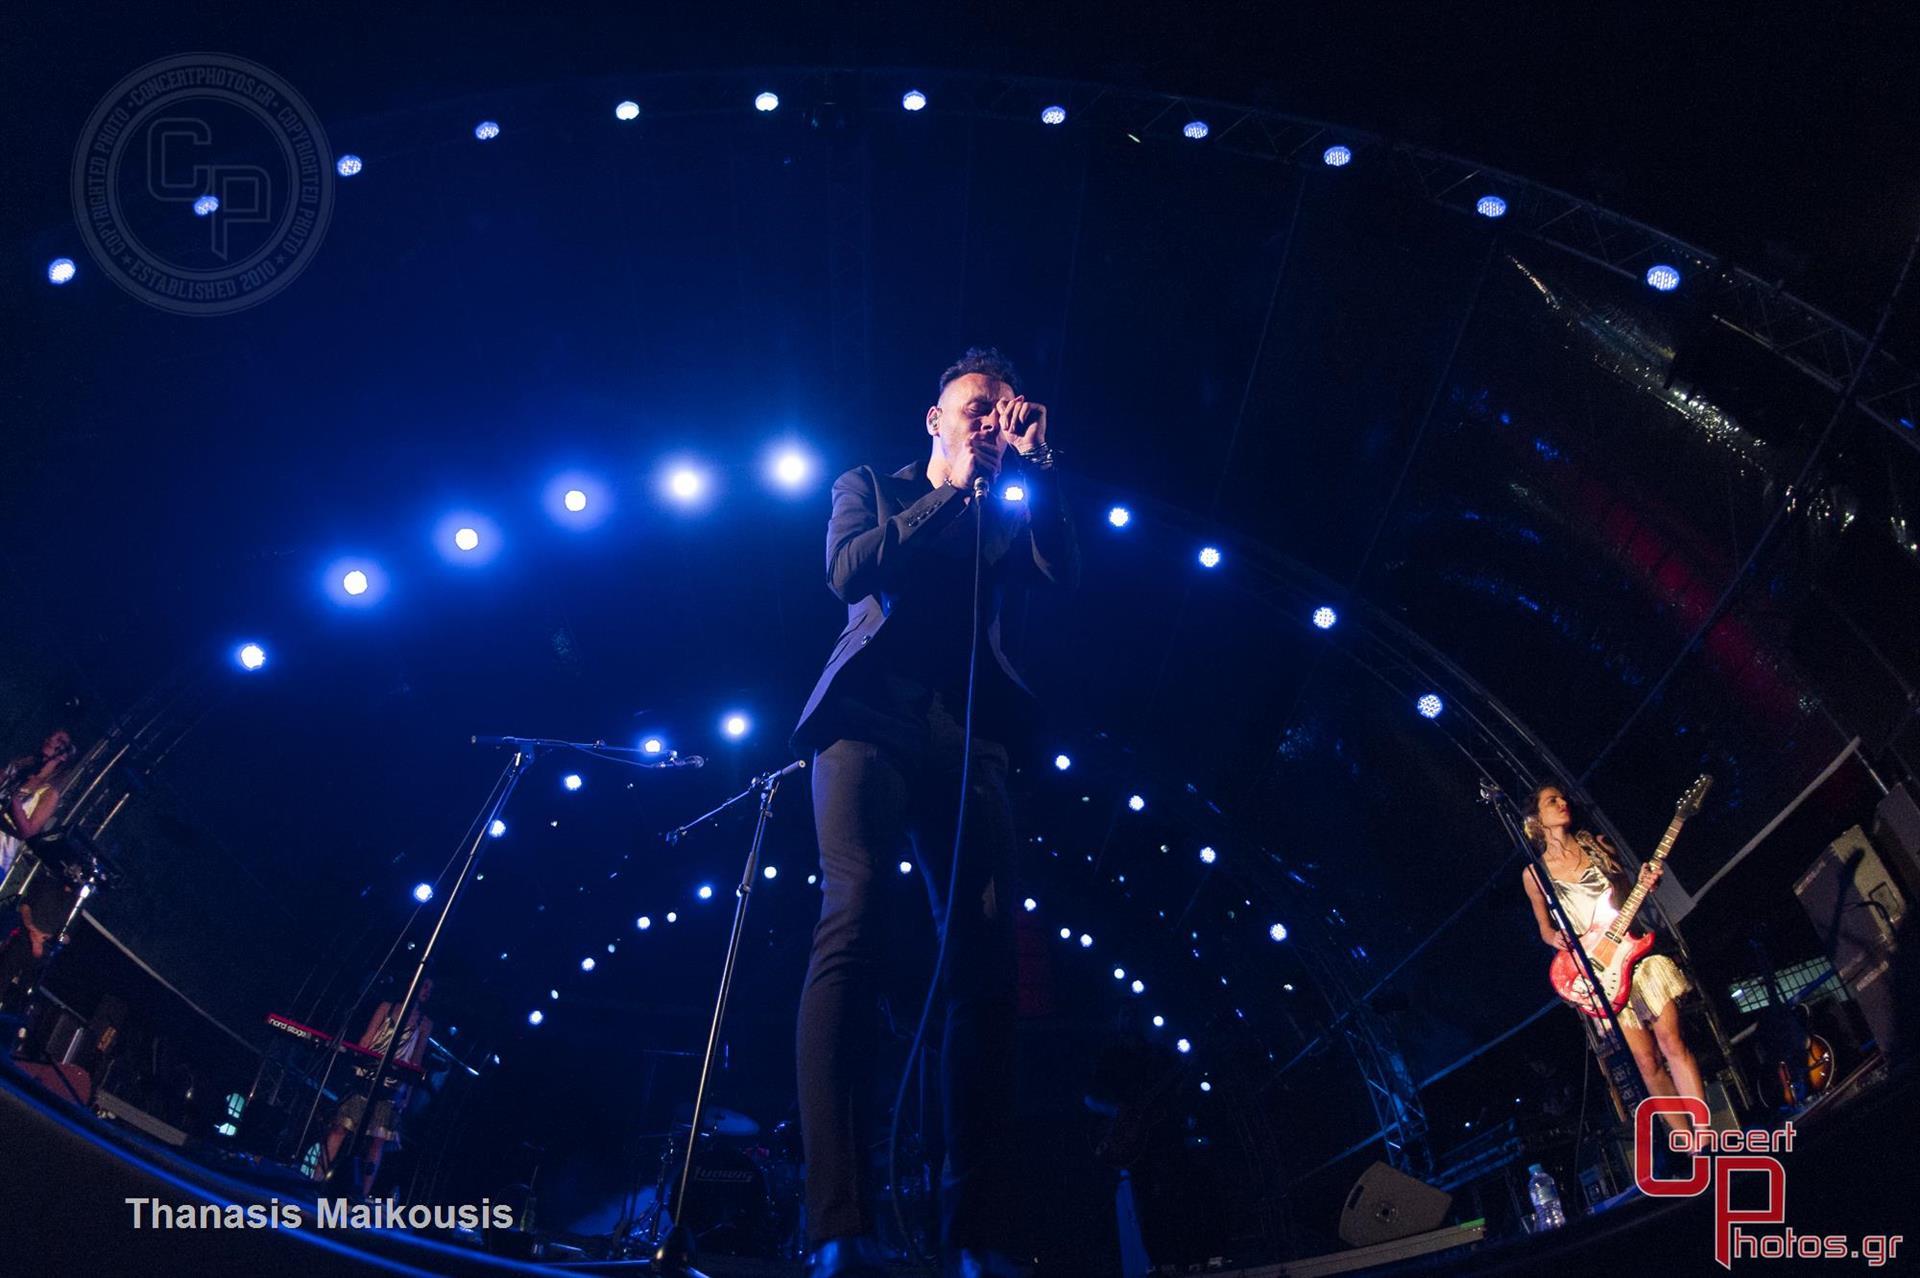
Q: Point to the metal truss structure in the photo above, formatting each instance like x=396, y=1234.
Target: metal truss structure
x=1818, y=345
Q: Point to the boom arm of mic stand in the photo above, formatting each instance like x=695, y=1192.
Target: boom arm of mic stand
x=754, y=787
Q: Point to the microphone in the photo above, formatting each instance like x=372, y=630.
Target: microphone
x=982, y=485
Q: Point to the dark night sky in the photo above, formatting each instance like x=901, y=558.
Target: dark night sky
x=1778, y=135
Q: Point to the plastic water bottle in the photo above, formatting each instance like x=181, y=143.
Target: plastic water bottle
x=1547, y=1212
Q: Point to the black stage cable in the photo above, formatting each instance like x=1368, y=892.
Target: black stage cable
x=953, y=885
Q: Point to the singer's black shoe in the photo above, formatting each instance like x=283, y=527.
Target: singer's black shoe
x=858, y=1257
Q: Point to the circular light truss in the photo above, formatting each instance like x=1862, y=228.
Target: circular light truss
x=1818, y=345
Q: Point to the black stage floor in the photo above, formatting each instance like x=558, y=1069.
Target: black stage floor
x=68, y=1176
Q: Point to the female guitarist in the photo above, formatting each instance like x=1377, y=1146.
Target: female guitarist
x=1591, y=883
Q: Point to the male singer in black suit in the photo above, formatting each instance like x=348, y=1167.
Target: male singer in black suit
x=886, y=722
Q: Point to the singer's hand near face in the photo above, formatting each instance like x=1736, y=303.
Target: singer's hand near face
x=1023, y=423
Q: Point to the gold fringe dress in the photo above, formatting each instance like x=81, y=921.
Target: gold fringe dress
x=1657, y=979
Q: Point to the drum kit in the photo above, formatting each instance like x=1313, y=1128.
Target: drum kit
x=745, y=1197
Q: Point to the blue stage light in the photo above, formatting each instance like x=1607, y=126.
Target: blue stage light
x=487, y=130
x=1209, y=556
x=1664, y=278
x=1029, y=905
x=1136, y=803
x=355, y=582
x=673, y=916
x=1195, y=130
x=250, y=656
x=1138, y=986
x=1066, y=934
x=1119, y=973
x=706, y=892
x=913, y=100
x=685, y=484
x=423, y=892
x=1086, y=941
x=1182, y=1046
x=1323, y=618
x=1119, y=516
x=735, y=725
x=1429, y=706
x=1062, y=762
x=790, y=467
x=571, y=781
x=206, y=206
x=536, y=1016
x=771, y=872
x=906, y=867
x=498, y=829
x=577, y=499
x=765, y=102
x=1159, y=1021
x=1278, y=932
x=467, y=538
x=1014, y=492
x=348, y=165
x=1205, y=1086
x=1490, y=206
x=628, y=110
x=586, y=964
x=1337, y=157
x=643, y=923
x=1208, y=856
x=1053, y=115
x=652, y=745
x=61, y=270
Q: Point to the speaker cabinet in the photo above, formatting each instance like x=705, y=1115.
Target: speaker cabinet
x=1857, y=908
x=1385, y=1204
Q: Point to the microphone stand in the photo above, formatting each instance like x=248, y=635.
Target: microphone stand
x=674, y=1253
x=523, y=756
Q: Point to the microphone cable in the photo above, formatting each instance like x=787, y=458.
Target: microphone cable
x=981, y=488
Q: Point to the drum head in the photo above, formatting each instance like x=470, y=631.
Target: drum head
x=727, y=1208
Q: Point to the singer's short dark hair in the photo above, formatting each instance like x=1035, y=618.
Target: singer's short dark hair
x=981, y=359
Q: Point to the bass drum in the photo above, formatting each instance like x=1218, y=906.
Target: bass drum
x=728, y=1209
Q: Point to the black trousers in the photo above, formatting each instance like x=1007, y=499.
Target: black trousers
x=870, y=802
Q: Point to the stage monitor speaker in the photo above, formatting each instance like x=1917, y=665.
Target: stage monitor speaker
x=1856, y=908
x=1896, y=832
x=1385, y=1204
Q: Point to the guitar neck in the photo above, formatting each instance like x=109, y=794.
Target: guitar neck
x=1631, y=906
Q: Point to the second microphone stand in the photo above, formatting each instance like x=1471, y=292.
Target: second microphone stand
x=674, y=1253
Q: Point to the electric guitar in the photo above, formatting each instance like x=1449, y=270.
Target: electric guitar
x=1612, y=950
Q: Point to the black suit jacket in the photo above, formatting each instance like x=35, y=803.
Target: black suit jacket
x=882, y=523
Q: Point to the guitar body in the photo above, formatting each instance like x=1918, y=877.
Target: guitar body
x=1819, y=1071
x=1819, y=1063
x=1613, y=963
x=1614, y=949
